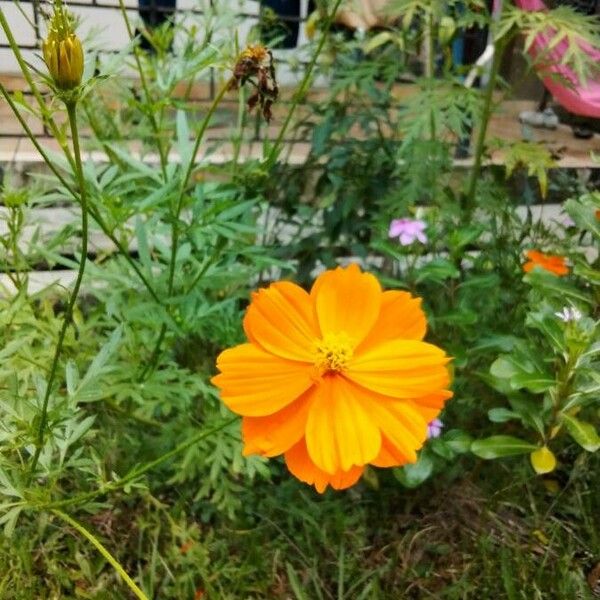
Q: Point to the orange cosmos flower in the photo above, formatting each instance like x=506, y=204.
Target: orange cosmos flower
x=335, y=379
x=549, y=262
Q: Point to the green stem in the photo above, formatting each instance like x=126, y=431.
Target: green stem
x=272, y=156
x=137, y=472
x=486, y=113
x=431, y=69
x=72, y=113
x=186, y=178
x=90, y=537
x=149, y=111
x=175, y=230
x=92, y=211
x=430, y=46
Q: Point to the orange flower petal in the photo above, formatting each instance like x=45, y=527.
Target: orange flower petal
x=431, y=405
x=340, y=433
x=280, y=319
x=346, y=300
x=401, y=369
x=549, y=262
x=275, y=434
x=388, y=456
x=254, y=383
x=529, y=266
x=400, y=317
x=401, y=423
x=534, y=255
x=301, y=466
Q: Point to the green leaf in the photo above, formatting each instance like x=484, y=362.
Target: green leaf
x=142, y=243
x=459, y=238
x=583, y=433
x=583, y=212
x=503, y=343
x=413, y=475
x=557, y=287
x=184, y=144
x=521, y=372
x=9, y=520
x=6, y=487
x=459, y=441
x=378, y=40
x=498, y=446
x=550, y=326
x=501, y=415
x=437, y=271
x=72, y=377
x=294, y=582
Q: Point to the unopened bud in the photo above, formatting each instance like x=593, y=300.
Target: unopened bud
x=447, y=30
x=62, y=49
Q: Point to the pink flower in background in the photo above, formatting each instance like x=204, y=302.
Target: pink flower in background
x=566, y=220
x=408, y=230
x=434, y=429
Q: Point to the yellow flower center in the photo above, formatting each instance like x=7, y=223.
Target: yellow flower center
x=257, y=53
x=333, y=352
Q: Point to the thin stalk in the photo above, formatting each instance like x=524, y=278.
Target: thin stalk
x=431, y=69
x=92, y=211
x=149, y=112
x=237, y=140
x=486, y=113
x=271, y=157
x=90, y=537
x=137, y=472
x=175, y=230
x=430, y=47
x=72, y=113
x=56, y=133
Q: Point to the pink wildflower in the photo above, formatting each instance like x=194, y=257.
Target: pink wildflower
x=408, y=230
x=434, y=429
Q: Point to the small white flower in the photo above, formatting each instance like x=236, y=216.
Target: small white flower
x=569, y=314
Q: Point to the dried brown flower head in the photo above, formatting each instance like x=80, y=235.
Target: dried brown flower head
x=255, y=66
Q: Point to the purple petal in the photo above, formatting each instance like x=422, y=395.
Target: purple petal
x=434, y=429
x=396, y=228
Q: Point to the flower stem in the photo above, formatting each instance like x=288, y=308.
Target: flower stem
x=88, y=535
x=72, y=113
x=469, y=198
x=175, y=229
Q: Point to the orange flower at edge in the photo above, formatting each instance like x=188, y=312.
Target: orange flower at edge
x=335, y=379
x=549, y=262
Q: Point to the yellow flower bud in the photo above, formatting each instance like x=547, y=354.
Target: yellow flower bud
x=311, y=24
x=62, y=50
x=447, y=29
x=543, y=460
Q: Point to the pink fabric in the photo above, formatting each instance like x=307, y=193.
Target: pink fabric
x=579, y=99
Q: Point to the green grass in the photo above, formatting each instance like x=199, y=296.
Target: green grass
x=495, y=533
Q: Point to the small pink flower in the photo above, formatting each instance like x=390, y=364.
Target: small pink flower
x=434, y=429
x=408, y=230
x=566, y=220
